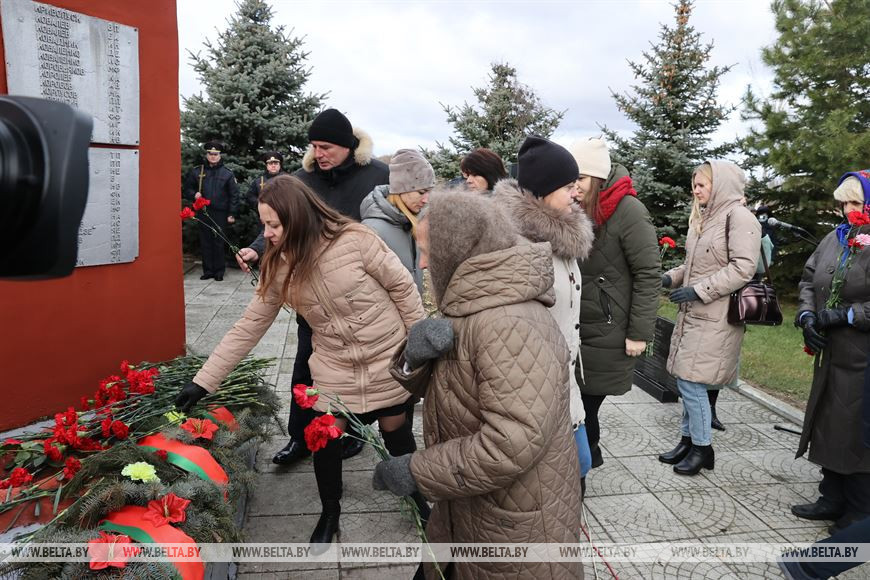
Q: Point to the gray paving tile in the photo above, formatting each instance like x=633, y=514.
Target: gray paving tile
x=710, y=512
x=755, y=570
x=630, y=441
x=281, y=529
x=808, y=534
x=741, y=437
x=658, y=477
x=615, y=416
x=784, y=467
x=677, y=570
x=785, y=440
x=612, y=478
x=733, y=469
x=808, y=490
x=379, y=573
x=637, y=518
x=635, y=395
x=382, y=526
x=771, y=503
x=667, y=416
x=746, y=411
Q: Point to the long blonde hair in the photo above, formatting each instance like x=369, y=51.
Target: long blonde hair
x=695, y=216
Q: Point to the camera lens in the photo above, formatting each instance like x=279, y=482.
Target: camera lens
x=22, y=165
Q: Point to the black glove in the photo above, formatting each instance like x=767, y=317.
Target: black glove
x=428, y=339
x=832, y=318
x=395, y=475
x=189, y=396
x=685, y=294
x=812, y=339
x=666, y=281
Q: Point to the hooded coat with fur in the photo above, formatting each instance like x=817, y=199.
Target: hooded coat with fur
x=343, y=188
x=500, y=461
x=704, y=346
x=570, y=237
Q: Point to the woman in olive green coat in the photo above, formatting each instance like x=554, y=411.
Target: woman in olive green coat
x=621, y=282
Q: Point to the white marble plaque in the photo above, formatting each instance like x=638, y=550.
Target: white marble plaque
x=87, y=62
x=109, y=233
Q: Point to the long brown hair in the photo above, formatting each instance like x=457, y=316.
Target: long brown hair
x=591, y=202
x=306, y=221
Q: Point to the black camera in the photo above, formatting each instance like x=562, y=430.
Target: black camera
x=43, y=186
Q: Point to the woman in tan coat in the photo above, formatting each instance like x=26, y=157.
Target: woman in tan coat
x=722, y=249
x=359, y=300
x=500, y=461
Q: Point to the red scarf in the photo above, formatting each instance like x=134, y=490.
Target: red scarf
x=610, y=197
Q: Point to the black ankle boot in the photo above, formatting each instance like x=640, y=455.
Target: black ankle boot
x=326, y=528
x=701, y=456
x=595, y=452
x=679, y=452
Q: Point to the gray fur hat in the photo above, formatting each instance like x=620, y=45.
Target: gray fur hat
x=409, y=171
x=463, y=224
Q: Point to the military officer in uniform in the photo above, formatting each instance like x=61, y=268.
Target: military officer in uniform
x=216, y=183
x=274, y=166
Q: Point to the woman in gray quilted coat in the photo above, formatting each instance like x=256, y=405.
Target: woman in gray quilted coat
x=500, y=461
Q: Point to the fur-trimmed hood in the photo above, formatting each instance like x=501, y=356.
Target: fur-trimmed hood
x=570, y=235
x=362, y=155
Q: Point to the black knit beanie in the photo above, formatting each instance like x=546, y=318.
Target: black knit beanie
x=333, y=127
x=545, y=166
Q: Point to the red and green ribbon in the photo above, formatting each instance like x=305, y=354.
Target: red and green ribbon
x=191, y=458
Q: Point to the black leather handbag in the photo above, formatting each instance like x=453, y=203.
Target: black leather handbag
x=755, y=303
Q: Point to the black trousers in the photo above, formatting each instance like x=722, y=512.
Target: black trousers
x=592, y=403
x=852, y=492
x=212, y=247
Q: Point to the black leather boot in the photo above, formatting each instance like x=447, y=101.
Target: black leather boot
x=715, y=423
x=595, y=452
x=327, y=472
x=350, y=446
x=700, y=456
x=326, y=528
x=821, y=509
x=291, y=453
x=679, y=452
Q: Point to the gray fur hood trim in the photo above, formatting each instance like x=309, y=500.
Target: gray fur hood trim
x=570, y=235
x=362, y=155
x=376, y=206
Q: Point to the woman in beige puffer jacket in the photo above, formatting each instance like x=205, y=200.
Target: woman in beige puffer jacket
x=722, y=250
x=359, y=300
x=500, y=461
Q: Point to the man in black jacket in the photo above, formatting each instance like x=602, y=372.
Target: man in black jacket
x=274, y=166
x=213, y=181
x=339, y=167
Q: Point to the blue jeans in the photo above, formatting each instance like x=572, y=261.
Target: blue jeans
x=583, y=451
x=696, y=412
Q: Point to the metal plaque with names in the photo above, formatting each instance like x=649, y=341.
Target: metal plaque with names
x=87, y=62
x=109, y=233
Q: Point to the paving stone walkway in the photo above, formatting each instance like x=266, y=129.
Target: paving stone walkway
x=631, y=498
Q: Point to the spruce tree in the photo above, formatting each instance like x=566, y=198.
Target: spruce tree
x=506, y=111
x=254, y=78
x=815, y=124
x=674, y=105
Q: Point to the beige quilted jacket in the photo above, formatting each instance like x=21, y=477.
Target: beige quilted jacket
x=500, y=462
x=369, y=301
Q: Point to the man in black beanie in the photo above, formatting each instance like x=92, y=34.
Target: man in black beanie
x=340, y=168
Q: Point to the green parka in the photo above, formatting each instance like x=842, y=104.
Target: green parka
x=621, y=282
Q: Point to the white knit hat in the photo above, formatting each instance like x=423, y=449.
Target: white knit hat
x=592, y=157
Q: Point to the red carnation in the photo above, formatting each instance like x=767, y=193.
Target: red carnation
x=321, y=431
x=200, y=203
x=106, y=426
x=187, y=213
x=19, y=477
x=305, y=396
x=120, y=430
x=162, y=454
x=110, y=550
x=168, y=509
x=52, y=452
x=669, y=242
x=70, y=467
x=857, y=218
x=85, y=403
x=809, y=351
x=12, y=442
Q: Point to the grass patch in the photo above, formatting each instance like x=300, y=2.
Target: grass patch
x=772, y=357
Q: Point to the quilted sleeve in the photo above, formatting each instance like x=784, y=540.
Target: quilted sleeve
x=241, y=338
x=382, y=264
x=519, y=376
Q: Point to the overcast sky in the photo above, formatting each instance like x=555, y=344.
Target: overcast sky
x=388, y=64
